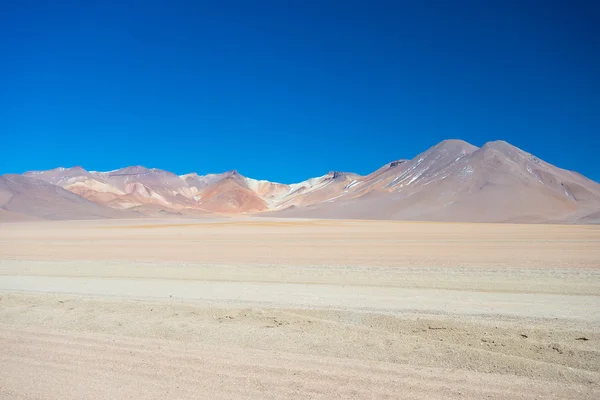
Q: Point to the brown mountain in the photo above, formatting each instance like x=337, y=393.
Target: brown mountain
x=24, y=198
x=452, y=181
x=455, y=181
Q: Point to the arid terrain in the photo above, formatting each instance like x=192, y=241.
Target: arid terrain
x=260, y=308
x=452, y=181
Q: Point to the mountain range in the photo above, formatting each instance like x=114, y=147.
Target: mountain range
x=452, y=181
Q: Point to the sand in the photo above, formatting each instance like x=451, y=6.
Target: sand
x=261, y=309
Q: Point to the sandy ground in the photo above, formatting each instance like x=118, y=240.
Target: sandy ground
x=261, y=309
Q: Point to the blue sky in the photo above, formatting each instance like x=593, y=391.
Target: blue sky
x=284, y=90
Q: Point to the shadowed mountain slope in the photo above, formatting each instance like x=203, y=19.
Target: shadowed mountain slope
x=24, y=198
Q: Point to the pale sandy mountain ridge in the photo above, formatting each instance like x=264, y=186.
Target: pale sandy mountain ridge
x=452, y=181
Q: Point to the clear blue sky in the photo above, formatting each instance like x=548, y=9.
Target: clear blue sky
x=284, y=90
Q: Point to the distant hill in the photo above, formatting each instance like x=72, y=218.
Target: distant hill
x=452, y=181
x=24, y=198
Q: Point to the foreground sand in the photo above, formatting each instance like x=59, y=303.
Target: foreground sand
x=298, y=309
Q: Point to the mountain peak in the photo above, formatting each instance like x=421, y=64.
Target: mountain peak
x=231, y=174
x=499, y=144
x=456, y=144
x=508, y=150
x=133, y=170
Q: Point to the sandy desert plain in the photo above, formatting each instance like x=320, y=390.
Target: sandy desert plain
x=261, y=308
